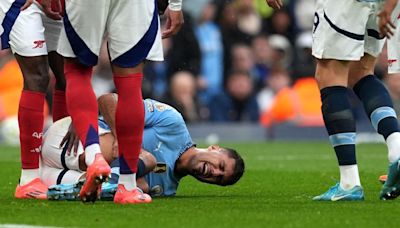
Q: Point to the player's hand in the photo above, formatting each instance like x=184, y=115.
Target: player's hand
x=71, y=140
x=386, y=26
x=276, y=4
x=52, y=12
x=173, y=24
x=27, y=4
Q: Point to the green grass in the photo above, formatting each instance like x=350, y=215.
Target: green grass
x=276, y=191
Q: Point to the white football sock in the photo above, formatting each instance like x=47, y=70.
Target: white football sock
x=128, y=180
x=349, y=176
x=28, y=175
x=393, y=144
x=90, y=153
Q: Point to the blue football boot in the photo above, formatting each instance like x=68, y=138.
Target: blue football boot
x=71, y=191
x=391, y=188
x=336, y=193
x=64, y=191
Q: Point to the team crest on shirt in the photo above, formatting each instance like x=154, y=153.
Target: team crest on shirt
x=39, y=44
x=161, y=107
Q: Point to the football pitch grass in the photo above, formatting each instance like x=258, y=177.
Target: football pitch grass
x=275, y=191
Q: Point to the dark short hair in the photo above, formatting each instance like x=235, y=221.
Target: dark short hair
x=238, y=170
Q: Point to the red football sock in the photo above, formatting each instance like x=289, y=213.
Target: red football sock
x=59, y=105
x=82, y=103
x=30, y=119
x=129, y=120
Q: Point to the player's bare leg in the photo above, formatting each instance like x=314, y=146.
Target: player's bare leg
x=59, y=107
x=82, y=106
x=129, y=123
x=31, y=119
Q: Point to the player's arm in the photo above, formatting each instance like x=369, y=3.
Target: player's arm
x=107, y=107
x=276, y=4
x=385, y=23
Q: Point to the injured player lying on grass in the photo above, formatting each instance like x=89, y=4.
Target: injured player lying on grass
x=168, y=155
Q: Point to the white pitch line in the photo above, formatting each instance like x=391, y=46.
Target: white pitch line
x=24, y=226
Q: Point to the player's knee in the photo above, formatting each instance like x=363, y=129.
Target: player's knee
x=36, y=82
x=362, y=68
x=36, y=76
x=331, y=72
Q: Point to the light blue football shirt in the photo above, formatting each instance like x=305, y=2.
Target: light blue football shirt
x=166, y=137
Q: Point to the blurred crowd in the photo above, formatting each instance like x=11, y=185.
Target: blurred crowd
x=235, y=60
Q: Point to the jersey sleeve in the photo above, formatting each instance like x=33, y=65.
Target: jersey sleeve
x=103, y=127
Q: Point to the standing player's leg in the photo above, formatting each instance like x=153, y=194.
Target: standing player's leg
x=23, y=33
x=341, y=127
x=378, y=104
x=129, y=123
x=56, y=62
x=31, y=120
x=379, y=108
x=80, y=47
x=59, y=107
x=140, y=40
x=338, y=38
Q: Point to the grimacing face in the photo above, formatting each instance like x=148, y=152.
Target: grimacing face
x=213, y=166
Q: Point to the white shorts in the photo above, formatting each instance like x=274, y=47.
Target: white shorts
x=56, y=166
x=346, y=29
x=52, y=32
x=393, y=45
x=131, y=27
x=51, y=176
x=24, y=31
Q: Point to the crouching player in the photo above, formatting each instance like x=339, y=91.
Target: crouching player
x=171, y=154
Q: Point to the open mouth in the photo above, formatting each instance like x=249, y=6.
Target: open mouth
x=205, y=170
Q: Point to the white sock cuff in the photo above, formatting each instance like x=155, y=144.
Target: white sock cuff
x=28, y=175
x=128, y=180
x=349, y=176
x=393, y=144
x=90, y=153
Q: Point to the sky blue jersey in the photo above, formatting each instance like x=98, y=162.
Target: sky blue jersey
x=166, y=137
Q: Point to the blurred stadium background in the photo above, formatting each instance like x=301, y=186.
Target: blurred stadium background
x=236, y=71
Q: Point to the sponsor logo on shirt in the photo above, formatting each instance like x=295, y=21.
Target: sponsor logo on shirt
x=161, y=167
x=37, y=135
